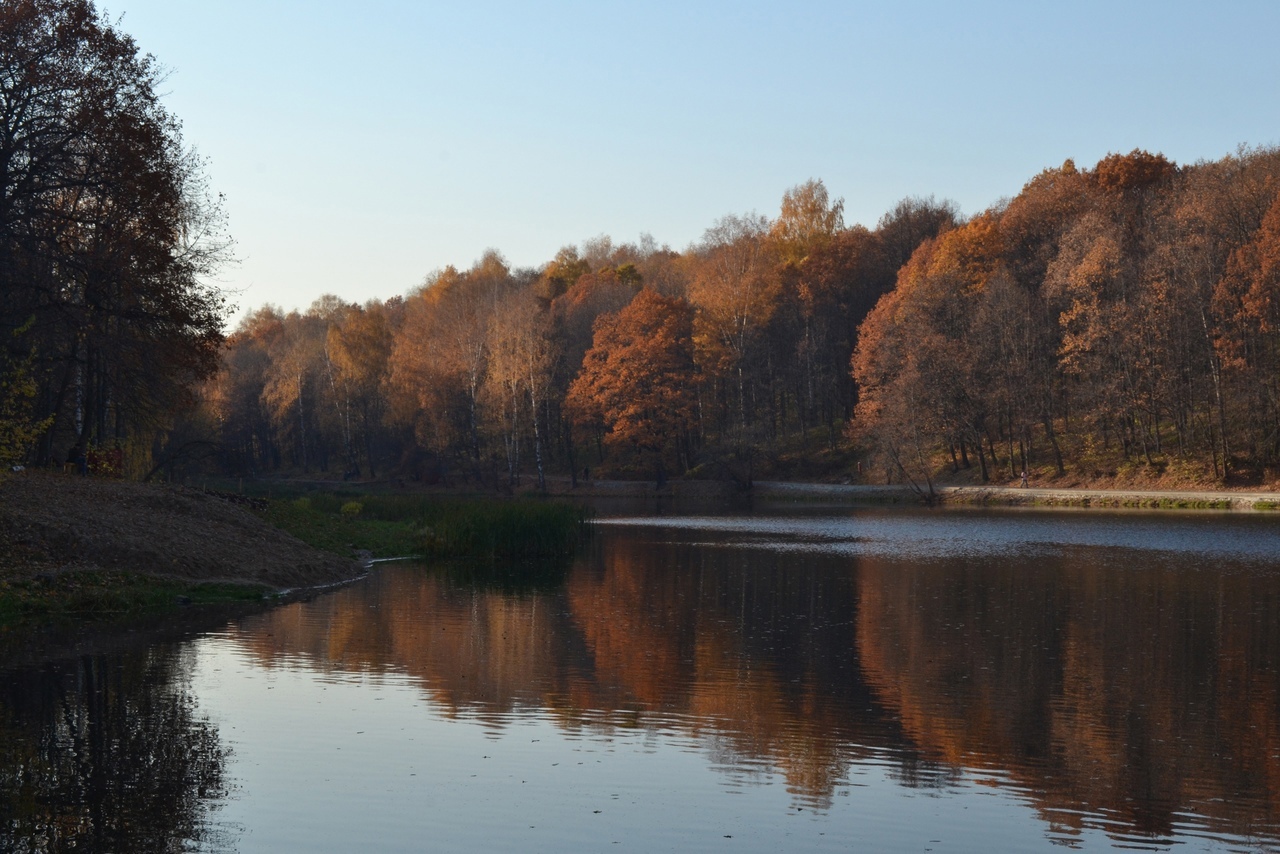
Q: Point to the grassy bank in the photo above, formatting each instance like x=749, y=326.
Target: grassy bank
x=400, y=525
x=97, y=594
x=98, y=548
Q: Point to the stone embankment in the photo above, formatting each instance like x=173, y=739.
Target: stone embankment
x=1029, y=496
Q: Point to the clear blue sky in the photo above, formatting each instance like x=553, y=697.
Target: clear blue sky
x=362, y=146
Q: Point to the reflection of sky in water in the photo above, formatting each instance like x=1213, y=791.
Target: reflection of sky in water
x=969, y=534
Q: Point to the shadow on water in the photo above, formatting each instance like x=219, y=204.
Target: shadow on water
x=507, y=577
x=715, y=500
x=106, y=753
x=40, y=640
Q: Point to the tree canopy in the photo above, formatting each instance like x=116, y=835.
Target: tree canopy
x=108, y=232
x=637, y=380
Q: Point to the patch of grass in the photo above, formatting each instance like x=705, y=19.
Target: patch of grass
x=1222, y=504
x=396, y=525
x=326, y=528
x=1266, y=505
x=98, y=593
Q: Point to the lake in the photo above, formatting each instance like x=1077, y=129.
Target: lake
x=799, y=679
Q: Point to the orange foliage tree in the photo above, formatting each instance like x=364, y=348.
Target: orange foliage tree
x=917, y=363
x=637, y=384
x=1247, y=303
x=736, y=299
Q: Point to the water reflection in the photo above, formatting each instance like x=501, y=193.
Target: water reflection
x=1129, y=699
x=1115, y=678
x=107, y=753
x=752, y=658
x=1132, y=692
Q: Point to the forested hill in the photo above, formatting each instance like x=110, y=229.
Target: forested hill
x=617, y=359
x=1117, y=318
x=1124, y=312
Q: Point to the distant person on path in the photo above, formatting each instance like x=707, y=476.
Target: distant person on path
x=1024, y=478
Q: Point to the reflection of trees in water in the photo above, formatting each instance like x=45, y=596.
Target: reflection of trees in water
x=1127, y=692
x=1138, y=693
x=748, y=651
x=753, y=646
x=512, y=577
x=1114, y=697
x=106, y=753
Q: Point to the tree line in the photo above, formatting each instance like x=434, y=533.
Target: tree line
x=630, y=356
x=1120, y=315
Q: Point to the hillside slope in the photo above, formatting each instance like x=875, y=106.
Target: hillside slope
x=50, y=523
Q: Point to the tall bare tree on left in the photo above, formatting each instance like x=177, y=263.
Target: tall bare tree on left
x=108, y=233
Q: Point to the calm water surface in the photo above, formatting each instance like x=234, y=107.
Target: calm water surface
x=830, y=680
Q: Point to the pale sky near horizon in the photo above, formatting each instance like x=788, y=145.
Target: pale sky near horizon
x=361, y=147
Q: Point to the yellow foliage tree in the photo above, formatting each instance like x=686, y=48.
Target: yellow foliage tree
x=18, y=430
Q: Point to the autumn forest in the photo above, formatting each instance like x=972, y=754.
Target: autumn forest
x=1108, y=322
x=1115, y=318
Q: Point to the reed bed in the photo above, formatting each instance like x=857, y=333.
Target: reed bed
x=393, y=525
